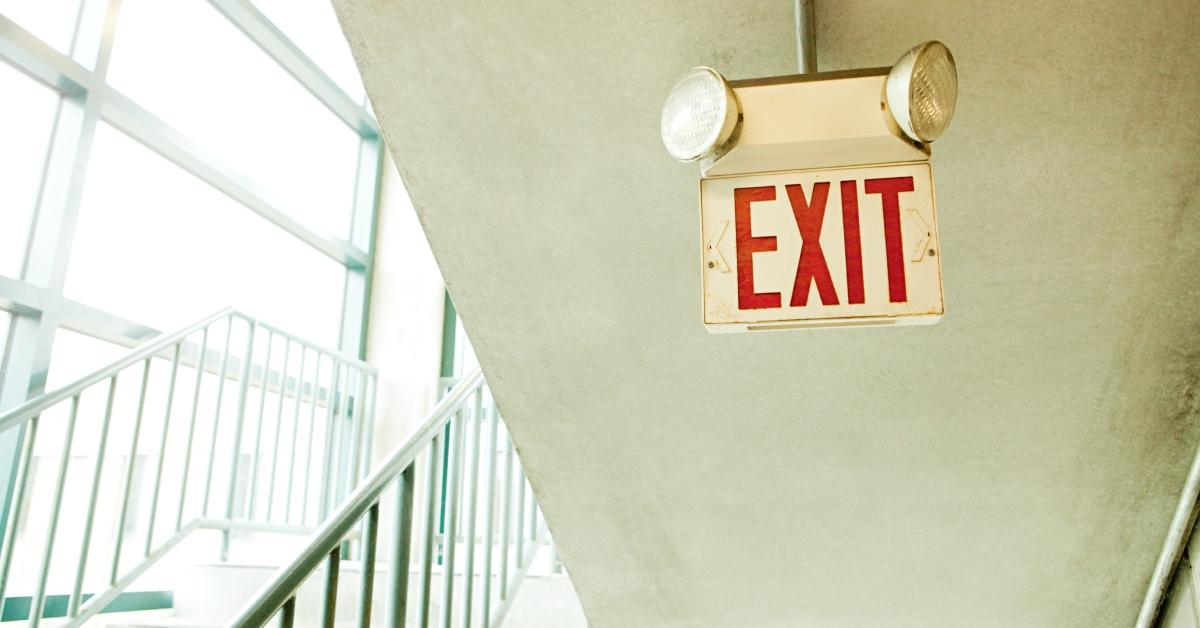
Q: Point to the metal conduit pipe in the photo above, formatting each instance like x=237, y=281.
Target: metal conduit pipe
x=1172, y=550
x=806, y=36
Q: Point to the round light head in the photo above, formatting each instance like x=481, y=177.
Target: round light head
x=921, y=90
x=699, y=115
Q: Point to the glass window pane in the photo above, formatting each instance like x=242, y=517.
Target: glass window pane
x=25, y=126
x=52, y=21
x=313, y=27
x=156, y=245
x=75, y=355
x=188, y=65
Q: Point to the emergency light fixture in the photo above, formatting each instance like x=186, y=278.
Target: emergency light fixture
x=856, y=117
x=817, y=205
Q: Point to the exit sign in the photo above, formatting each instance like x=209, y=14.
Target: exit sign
x=820, y=248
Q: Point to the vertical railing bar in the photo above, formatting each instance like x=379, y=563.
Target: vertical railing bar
x=239, y=427
x=450, y=536
x=329, y=604
x=344, y=450
x=358, y=443
x=335, y=436
x=489, y=500
x=287, y=614
x=89, y=516
x=433, y=474
x=312, y=430
x=129, y=467
x=533, y=511
x=520, y=529
x=346, y=436
x=401, y=548
x=221, y=376
x=14, y=516
x=262, y=405
x=335, y=373
x=287, y=509
x=191, y=433
x=370, y=398
x=471, y=502
x=506, y=500
x=283, y=374
x=162, y=450
x=39, y=591
x=354, y=443
x=370, y=534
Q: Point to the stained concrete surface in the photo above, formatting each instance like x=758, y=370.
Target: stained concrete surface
x=1015, y=465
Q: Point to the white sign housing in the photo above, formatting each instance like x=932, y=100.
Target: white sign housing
x=820, y=248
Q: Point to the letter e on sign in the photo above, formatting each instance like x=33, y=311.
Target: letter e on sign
x=820, y=248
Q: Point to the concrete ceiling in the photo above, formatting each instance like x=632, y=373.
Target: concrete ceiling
x=1015, y=465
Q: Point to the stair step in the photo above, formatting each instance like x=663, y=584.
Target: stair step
x=170, y=622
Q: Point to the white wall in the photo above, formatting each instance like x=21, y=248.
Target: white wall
x=404, y=336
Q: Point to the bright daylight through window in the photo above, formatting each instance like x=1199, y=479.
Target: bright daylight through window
x=162, y=161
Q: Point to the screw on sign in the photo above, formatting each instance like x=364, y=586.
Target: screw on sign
x=852, y=246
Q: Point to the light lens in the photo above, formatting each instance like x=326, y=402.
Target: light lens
x=922, y=89
x=699, y=115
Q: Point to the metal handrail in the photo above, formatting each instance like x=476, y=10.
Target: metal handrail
x=346, y=423
x=444, y=426
x=37, y=405
x=288, y=578
x=32, y=407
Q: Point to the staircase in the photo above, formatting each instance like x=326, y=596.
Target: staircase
x=224, y=471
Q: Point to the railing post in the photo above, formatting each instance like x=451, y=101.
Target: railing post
x=283, y=383
x=262, y=406
x=450, y=534
x=358, y=426
x=506, y=500
x=137, y=433
x=239, y=426
x=370, y=536
x=312, y=431
x=287, y=614
x=329, y=602
x=401, y=548
x=520, y=531
x=433, y=474
x=489, y=510
x=287, y=508
x=39, y=592
x=10, y=531
x=162, y=451
x=348, y=443
x=212, y=456
x=327, y=460
x=472, y=461
x=533, y=509
x=90, y=514
x=201, y=363
x=369, y=441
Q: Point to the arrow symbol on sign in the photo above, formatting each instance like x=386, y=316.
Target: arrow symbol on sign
x=712, y=251
x=926, y=235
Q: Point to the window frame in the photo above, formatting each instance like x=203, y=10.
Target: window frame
x=35, y=300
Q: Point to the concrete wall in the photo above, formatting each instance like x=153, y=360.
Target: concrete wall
x=1016, y=465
